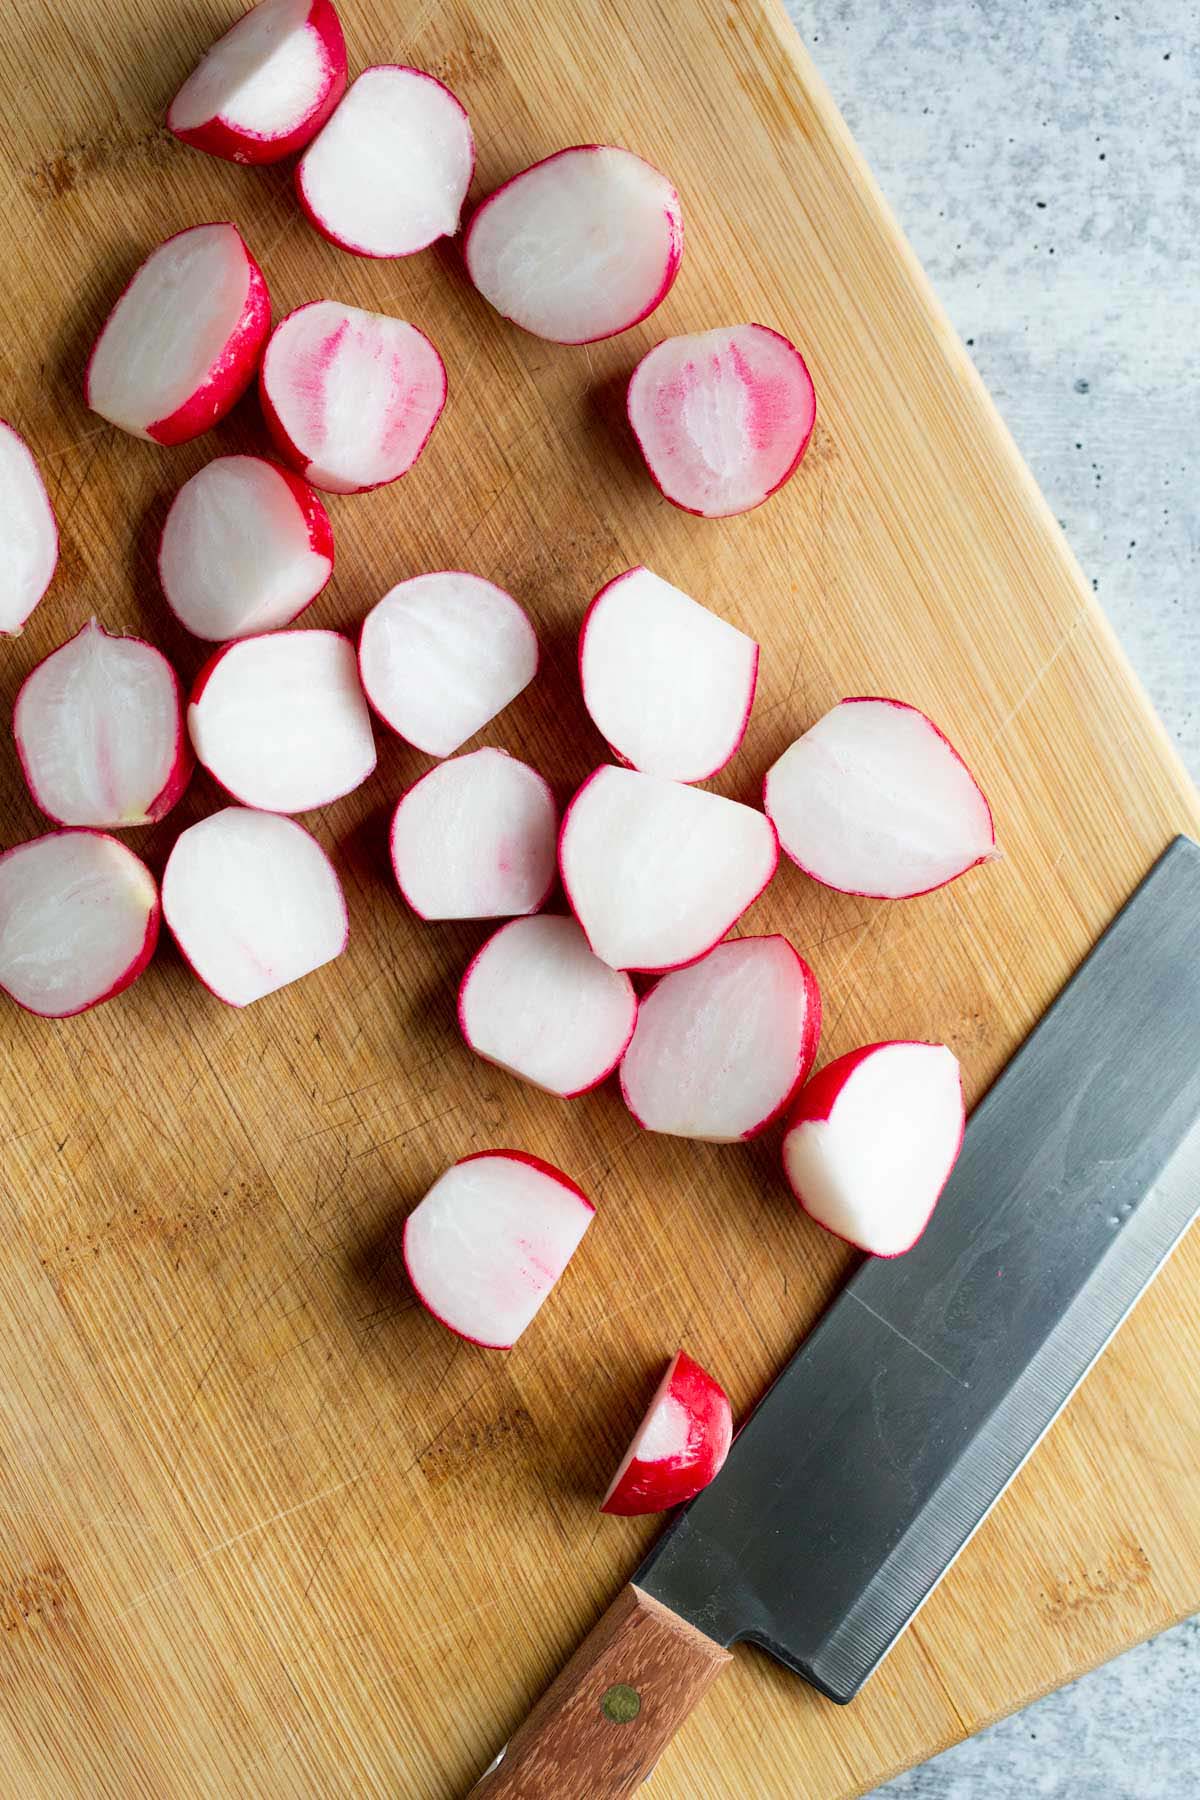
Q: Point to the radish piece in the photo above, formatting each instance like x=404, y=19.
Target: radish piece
x=28, y=533
x=280, y=721
x=680, y=1445
x=539, y=1004
x=490, y=1239
x=656, y=872
x=389, y=173
x=350, y=397
x=722, y=417
x=442, y=654
x=181, y=345
x=265, y=88
x=474, y=839
x=872, y=1143
x=668, y=683
x=873, y=800
x=721, y=1047
x=253, y=902
x=578, y=247
x=78, y=921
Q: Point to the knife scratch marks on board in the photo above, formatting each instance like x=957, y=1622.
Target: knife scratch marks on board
x=957, y=1379
x=1081, y=617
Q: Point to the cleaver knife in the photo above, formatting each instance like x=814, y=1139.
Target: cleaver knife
x=907, y=1411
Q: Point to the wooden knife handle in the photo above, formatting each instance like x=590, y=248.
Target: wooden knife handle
x=597, y=1732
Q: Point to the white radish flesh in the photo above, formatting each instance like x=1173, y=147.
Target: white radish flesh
x=678, y=1448
x=264, y=89
x=474, y=839
x=28, y=533
x=79, y=921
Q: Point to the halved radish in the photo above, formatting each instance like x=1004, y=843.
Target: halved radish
x=656, y=872
x=28, y=533
x=668, y=683
x=265, y=88
x=280, y=720
x=490, y=1239
x=873, y=800
x=872, y=1143
x=722, y=417
x=253, y=903
x=78, y=921
x=679, y=1446
x=350, y=397
x=721, y=1047
x=578, y=247
x=474, y=839
x=181, y=345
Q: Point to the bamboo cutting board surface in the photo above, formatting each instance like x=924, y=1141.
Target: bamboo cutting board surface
x=265, y=1528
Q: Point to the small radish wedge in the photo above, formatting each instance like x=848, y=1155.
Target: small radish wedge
x=539, y=1004
x=873, y=800
x=181, y=345
x=490, y=1239
x=873, y=1140
x=722, y=417
x=280, y=720
x=656, y=872
x=679, y=1446
x=389, y=173
x=78, y=921
x=721, y=1047
x=28, y=533
x=253, y=903
x=350, y=397
x=668, y=683
x=265, y=88
x=474, y=839
x=442, y=654
x=578, y=247
x=99, y=731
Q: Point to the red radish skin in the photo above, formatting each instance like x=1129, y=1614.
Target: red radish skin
x=28, y=532
x=679, y=1447
x=265, y=88
x=79, y=918
x=474, y=839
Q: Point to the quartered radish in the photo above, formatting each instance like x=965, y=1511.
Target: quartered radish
x=578, y=247
x=873, y=1140
x=679, y=1446
x=474, y=839
x=181, y=345
x=874, y=800
x=263, y=90
x=722, y=417
x=28, y=533
x=668, y=683
x=490, y=1239
x=78, y=921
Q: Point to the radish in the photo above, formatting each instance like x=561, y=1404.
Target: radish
x=389, y=173
x=280, y=720
x=872, y=1143
x=668, y=683
x=78, y=921
x=350, y=397
x=722, y=417
x=474, y=839
x=28, y=533
x=253, y=903
x=490, y=1239
x=721, y=1047
x=679, y=1446
x=873, y=800
x=263, y=90
x=578, y=247
x=181, y=345
x=442, y=654
x=656, y=872
x=538, y=1003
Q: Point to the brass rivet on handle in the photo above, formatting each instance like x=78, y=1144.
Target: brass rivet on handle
x=621, y=1704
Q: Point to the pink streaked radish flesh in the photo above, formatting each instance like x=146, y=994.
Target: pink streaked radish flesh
x=722, y=417
x=28, y=533
x=668, y=683
x=874, y=800
x=536, y=1002
x=265, y=88
x=679, y=1446
x=578, y=247
x=490, y=1239
x=181, y=345
x=79, y=920
x=474, y=839
x=873, y=1140
x=721, y=1048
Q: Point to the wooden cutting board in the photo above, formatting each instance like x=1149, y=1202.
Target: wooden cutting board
x=265, y=1528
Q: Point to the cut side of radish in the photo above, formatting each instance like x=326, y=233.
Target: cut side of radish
x=474, y=839
x=679, y=1446
x=265, y=88
x=873, y=800
x=78, y=921
x=490, y=1239
x=722, y=417
x=578, y=247
x=668, y=683
x=28, y=533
